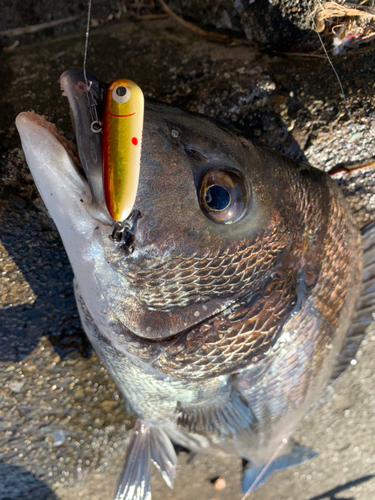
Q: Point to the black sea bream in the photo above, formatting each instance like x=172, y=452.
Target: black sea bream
x=223, y=312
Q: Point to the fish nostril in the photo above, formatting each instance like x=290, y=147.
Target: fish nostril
x=196, y=153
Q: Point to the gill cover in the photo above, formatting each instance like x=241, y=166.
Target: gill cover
x=121, y=146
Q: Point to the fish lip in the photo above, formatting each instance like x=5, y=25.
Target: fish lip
x=55, y=173
x=41, y=132
x=73, y=84
x=30, y=118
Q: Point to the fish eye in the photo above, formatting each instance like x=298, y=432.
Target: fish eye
x=217, y=198
x=223, y=195
x=121, y=94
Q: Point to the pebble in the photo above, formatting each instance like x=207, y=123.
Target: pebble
x=219, y=484
x=58, y=437
x=16, y=386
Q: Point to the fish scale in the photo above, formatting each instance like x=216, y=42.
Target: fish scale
x=205, y=283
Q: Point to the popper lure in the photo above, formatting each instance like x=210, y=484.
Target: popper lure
x=122, y=127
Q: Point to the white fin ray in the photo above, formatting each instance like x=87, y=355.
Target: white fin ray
x=148, y=442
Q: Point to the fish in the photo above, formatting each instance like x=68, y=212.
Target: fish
x=240, y=288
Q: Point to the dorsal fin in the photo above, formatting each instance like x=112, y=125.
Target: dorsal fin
x=366, y=304
x=148, y=442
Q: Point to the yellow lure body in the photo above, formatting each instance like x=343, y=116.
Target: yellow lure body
x=122, y=127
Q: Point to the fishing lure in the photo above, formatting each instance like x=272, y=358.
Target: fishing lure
x=122, y=127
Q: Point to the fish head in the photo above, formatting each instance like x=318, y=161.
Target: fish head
x=215, y=248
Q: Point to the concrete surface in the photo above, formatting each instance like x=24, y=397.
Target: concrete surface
x=63, y=427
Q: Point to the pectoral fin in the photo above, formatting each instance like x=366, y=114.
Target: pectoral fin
x=147, y=443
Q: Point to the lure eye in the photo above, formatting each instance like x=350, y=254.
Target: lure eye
x=223, y=196
x=121, y=94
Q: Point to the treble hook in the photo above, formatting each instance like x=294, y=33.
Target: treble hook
x=123, y=232
x=119, y=230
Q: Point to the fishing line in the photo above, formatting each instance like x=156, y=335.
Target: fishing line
x=334, y=70
x=266, y=467
x=87, y=41
x=96, y=125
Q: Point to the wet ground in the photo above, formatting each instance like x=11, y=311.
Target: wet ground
x=63, y=426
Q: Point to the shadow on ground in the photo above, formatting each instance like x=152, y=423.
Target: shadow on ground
x=17, y=483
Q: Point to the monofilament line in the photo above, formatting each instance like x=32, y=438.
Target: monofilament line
x=265, y=468
x=87, y=41
x=334, y=70
x=96, y=125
